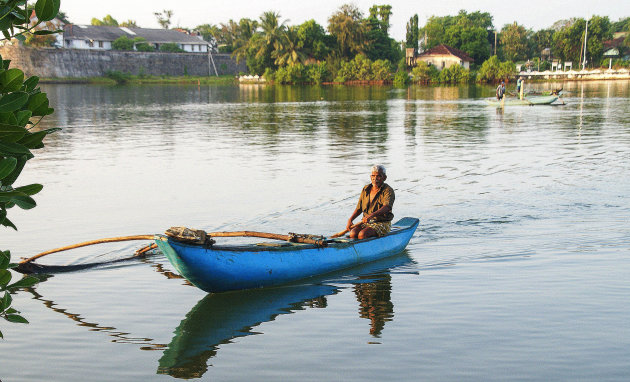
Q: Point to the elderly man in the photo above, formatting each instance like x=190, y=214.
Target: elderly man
x=376, y=202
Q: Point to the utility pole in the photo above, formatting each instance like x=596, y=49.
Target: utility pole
x=585, y=39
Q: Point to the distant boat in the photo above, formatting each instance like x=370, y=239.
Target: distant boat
x=530, y=101
x=219, y=268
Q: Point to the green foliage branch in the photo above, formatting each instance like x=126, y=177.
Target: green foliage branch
x=22, y=106
x=493, y=70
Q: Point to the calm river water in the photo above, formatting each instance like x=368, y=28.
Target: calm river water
x=520, y=269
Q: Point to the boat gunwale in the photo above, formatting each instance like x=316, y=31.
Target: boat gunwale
x=334, y=243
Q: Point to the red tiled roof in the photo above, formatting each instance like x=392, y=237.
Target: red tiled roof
x=614, y=43
x=444, y=50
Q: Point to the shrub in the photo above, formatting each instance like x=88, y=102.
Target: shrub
x=401, y=79
x=282, y=75
x=381, y=70
x=120, y=77
x=122, y=43
x=170, y=47
x=269, y=76
x=493, y=70
x=454, y=74
x=424, y=73
x=317, y=73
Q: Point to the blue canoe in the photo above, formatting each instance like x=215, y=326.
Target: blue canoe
x=220, y=268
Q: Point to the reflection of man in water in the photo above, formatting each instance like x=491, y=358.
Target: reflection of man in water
x=375, y=302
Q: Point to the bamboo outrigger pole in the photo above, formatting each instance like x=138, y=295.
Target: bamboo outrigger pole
x=86, y=243
x=294, y=238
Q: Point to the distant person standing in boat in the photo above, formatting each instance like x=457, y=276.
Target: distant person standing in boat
x=375, y=203
x=520, y=87
x=500, y=91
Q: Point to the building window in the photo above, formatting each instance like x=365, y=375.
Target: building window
x=100, y=44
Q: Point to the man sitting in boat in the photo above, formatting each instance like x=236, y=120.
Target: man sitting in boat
x=376, y=202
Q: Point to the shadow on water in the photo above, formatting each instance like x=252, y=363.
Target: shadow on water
x=217, y=319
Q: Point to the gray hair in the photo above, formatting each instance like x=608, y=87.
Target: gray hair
x=380, y=168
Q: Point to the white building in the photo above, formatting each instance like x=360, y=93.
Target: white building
x=443, y=56
x=101, y=37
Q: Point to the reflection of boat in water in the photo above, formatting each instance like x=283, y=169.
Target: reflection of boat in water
x=531, y=101
x=219, y=318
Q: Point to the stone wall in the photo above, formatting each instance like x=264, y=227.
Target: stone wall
x=76, y=63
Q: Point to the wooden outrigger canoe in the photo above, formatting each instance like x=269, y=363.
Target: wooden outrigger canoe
x=530, y=101
x=219, y=268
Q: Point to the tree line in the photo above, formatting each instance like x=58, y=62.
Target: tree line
x=358, y=46
x=269, y=45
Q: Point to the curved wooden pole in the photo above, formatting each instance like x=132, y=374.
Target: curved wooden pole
x=345, y=231
x=265, y=235
x=86, y=243
x=141, y=251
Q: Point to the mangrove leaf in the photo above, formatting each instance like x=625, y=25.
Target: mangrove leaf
x=30, y=189
x=14, y=101
x=11, y=80
x=7, y=165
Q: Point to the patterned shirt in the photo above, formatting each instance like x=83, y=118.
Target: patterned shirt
x=384, y=197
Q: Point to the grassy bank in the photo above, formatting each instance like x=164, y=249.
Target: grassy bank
x=123, y=78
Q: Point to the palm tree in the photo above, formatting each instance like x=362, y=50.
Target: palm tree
x=287, y=49
x=247, y=29
x=271, y=32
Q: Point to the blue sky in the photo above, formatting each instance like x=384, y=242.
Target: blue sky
x=534, y=14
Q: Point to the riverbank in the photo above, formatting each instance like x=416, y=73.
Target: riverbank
x=581, y=75
x=123, y=78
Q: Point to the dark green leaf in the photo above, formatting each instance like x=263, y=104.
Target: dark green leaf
x=8, y=223
x=11, y=80
x=1, y=335
x=11, y=132
x=44, y=32
x=14, y=101
x=8, y=118
x=18, y=169
x=5, y=277
x=31, y=189
x=20, y=37
x=6, y=301
x=46, y=10
x=6, y=33
x=23, y=117
x=38, y=104
x=34, y=140
x=4, y=260
x=16, y=318
x=19, y=17
x=13, y=148
x=25, y=202
x=7, y=166
x=25, y=282
x=31, y=83
x=5, y=64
